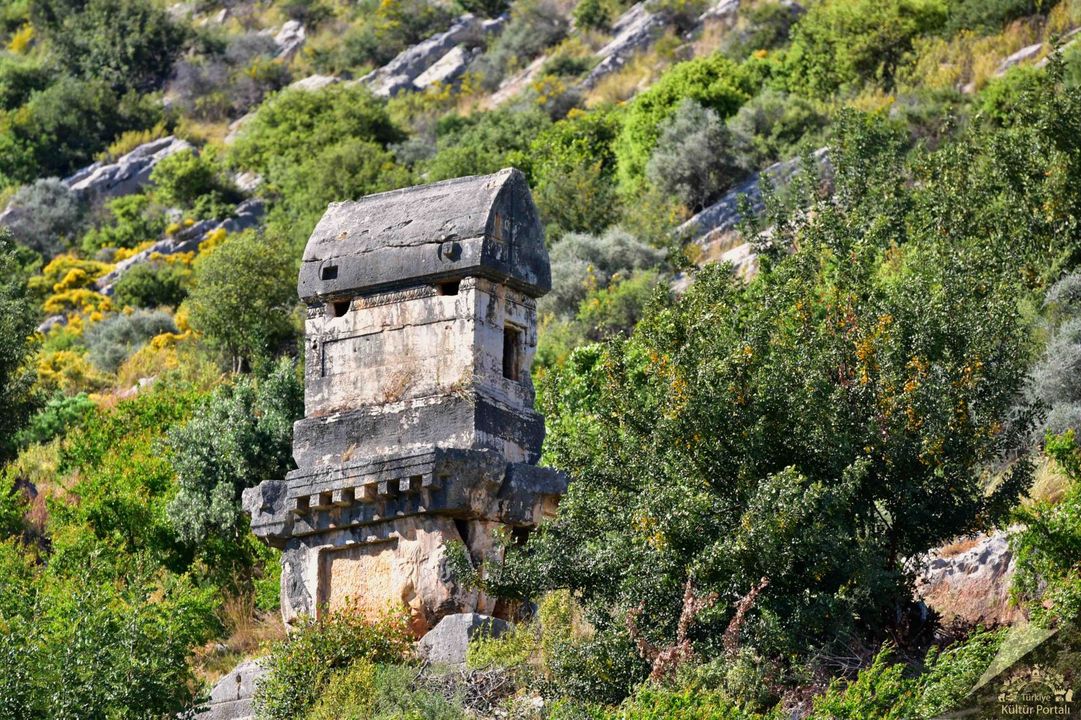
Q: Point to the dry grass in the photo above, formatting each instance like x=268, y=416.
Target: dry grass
x=1050, y=484
x=638, y=74
x=250, y=631
x=958, y=546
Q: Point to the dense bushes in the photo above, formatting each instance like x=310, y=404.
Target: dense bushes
x=115, y=338
x=240, y=436
x=243, y=296
x=842, y=44
x=714, y=82
x=301, y=667
x=152, y=284
x=17, y=321
x=46, y=216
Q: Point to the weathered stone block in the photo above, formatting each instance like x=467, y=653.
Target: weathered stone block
x=448, y=641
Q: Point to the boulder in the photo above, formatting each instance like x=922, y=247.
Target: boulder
x=635, y=30
x=129, y=174
x=446, y=69
x=447, y=642
x=290, y=39
x=314, y=82
x=1025, y=53
x=248, y=214
x=411, y=63
x=969, y=580
x=231, y=698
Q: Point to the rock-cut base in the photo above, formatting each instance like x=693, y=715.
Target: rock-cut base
x=447, y=642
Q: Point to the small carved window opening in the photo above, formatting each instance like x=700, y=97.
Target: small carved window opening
x=512, y=352
x=448, y=288
x=338, y=308
x=330, y=272
x=520, y=535
x=463, y=529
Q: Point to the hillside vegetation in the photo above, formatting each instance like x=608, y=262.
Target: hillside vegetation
x=759, y=460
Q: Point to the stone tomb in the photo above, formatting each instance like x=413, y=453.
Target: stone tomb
x=419, y=426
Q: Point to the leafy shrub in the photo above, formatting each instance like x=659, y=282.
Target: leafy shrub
x=1055, y=378
x=484, y=142
x=845, y=43
x=185, y=178
x=130, y=220
x=52, y=420
x=62, y=127
x=714, y=82
x=47, y=216
x=113, y=340
x=17, y=322
x=126, y=43
x=19, y=78
x=296, y=125
x=581, y=262
x=1050, y=542
x=302, y=666
x=242, y=297
x=534, y=26
x=228, y=76
x=987, y=15
x=152, y=284
x=364, y=691
x=484, y=8
x=763, y=26
x=773, y=123
x=594, y=14
x=240, y=436
x=696, y=157
x=573, y=172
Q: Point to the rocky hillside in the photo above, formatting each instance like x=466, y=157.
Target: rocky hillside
x=809, y=358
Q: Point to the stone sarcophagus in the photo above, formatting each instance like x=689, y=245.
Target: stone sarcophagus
x=419, y=425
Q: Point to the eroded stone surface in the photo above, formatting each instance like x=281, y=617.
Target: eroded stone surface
x=231, y=698
x=970, y=580
x=448, y=641
x=128, y=174
x=419, y=427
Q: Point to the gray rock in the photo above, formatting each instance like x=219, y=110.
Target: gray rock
x=1025, y=53
x=52, y=321
x=231, y=698
x=448, y=68
x=399, y=73
x=248, y=215
x=290, y=39
x=447, y=642
x=270, y=518
x=237, y=127
x=129, y=174
x=314, y=82
x=635, y=30
x=247, y=181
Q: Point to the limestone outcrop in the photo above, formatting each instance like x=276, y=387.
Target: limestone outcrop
x=419, y=427
x=231, y=698
x=448, y=641
x=128, y=174
x=400, y=73
x=969, y=580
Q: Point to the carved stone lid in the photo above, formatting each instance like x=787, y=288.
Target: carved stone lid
x=473, y=226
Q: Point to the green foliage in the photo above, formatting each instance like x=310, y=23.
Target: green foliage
x=581, y=263
x=1050, y=542
x=152, y=284
x=573, y=172
x=97, y=647
x=534, y=26
x=484, y=143
x=19, y=79
x=132, y=220
x=187, y=179
x=46, y=216
x=594, y=14
x=113, y=340
x=842, y=44
x=241, y=435
x=17, y=322
x=714, y=82
x=774, y=123
x=364, y=691
x=988, y=15
x=295, y=125
x=242, y=297
x=696, y=157
x=301, y=667
x=128, y=44
x=805, y=428
x=484, y=8
x=59, y=413
x=62, y=127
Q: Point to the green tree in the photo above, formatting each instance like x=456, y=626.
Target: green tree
x=242, y=296
x=129, y=44
x=17, y=321
x=845, y=43
x=239, y=437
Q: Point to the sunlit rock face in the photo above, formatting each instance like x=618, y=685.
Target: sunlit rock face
x=419, y=426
